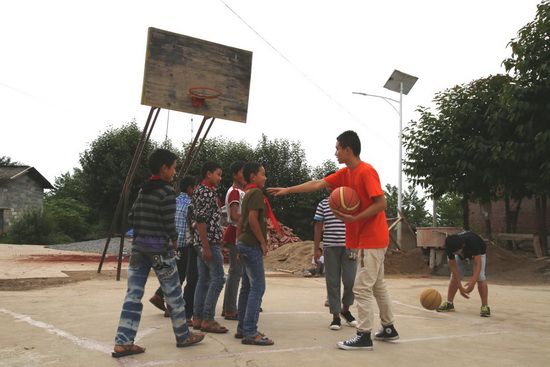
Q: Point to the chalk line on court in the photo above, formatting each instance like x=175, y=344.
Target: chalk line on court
x=80, y=341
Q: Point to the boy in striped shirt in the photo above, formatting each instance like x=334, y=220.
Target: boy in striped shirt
x=340, y=264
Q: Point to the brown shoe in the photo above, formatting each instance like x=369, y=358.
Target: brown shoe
x=193, y=338
x=158, y=302
x=197, y=324
x=123, y=350
x=213, y=326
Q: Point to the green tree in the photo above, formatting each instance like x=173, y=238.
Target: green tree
x=286, y=165
x=6, y=161
x=528, y=97
x=449, y=210
x=413, y=206
x=105, y=165
x=323, y=169
x=455, y=151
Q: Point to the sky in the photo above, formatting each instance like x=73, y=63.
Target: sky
x=69, y=70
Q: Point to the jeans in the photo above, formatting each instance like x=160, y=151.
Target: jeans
x=252, y=289
x=209, y=285
x=187, y=270
x=138, y=271
x=233, y=279
x=339, y=269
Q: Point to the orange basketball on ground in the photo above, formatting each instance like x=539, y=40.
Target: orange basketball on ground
x=344, y=199
x=430, y=299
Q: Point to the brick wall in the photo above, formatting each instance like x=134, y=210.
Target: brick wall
x=527, y=221
x=17, y=195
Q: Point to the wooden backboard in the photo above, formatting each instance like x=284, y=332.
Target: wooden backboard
x=175, y=63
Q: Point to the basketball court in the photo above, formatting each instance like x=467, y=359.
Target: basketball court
x=74, y=325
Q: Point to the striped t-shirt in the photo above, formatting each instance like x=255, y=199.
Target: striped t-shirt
x=334, y=231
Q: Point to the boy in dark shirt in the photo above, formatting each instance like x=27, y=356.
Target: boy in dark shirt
x=207, y=215
x=461, y=246
x=153, y=218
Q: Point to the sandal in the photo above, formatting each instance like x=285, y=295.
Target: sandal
x=231, y=316
x=197, y=324
x=213, y=327
x=122, y=350
x=259, y=339
x=239, y=334
x=193, y=338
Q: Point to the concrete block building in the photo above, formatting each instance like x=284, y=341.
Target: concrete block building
x=21, y=189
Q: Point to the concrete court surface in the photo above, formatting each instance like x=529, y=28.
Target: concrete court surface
x=74, y=325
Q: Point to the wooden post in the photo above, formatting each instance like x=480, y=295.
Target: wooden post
x=537, y=247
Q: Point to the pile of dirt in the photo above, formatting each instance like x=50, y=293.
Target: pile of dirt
x=502, y=265
x=290, y=258
x=296, y=257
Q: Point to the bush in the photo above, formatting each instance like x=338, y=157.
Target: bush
x=69, y=217
x=32, y=227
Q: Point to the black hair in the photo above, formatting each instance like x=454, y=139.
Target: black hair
x=250, y=168
x=187, y=182
x=159, y=158
x=209, y=166
x=350, y=139
x=453, y=243
x=236, y=166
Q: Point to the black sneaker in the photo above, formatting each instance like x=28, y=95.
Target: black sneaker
x=387, y=333
x=350, y=320
x=360, y=341
x=335, y=324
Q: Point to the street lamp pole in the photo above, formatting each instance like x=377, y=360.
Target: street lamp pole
x=401, y=83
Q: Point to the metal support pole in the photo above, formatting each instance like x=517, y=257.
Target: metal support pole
x=400, y=174
x=123, y=198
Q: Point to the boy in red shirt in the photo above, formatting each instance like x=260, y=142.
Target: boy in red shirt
x=367, y=231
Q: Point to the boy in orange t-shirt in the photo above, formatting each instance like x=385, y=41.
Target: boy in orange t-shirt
x=367, y=230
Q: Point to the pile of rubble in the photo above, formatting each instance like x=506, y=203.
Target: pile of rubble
x=277, y=239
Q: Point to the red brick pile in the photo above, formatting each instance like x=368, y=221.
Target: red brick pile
x=278, y=239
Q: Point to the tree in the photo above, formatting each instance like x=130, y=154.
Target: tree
x=323, y=169
x=6, y=161
x=454, y=151
x=449, y=210
x=285, y=164
x=529, y=64
x=413, y=207
x=105, y=165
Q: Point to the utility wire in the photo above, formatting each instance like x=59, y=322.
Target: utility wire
x=303, y=74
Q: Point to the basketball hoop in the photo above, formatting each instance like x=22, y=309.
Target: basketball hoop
x=200, y=94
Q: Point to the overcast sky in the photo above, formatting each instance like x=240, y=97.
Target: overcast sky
x=71, y=69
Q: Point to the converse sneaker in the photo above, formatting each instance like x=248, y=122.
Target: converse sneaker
x=446, y=307
x=360, y=341
x=387, y=333
x=335, y=324
x=350, y=320
x=485, y=311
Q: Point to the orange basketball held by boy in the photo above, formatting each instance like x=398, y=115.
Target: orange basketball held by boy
x=344, y=199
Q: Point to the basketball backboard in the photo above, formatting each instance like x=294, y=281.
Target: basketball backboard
x=175, y=63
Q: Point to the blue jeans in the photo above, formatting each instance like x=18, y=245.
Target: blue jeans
x=167, y=274
x=233, y=279
x=209, y=285
x=252, y=288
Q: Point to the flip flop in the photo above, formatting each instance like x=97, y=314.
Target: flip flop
x=127, y=350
